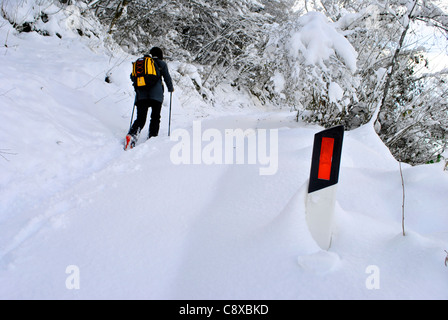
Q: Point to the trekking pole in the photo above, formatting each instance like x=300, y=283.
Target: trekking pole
x=169, y=121
x=132, y=116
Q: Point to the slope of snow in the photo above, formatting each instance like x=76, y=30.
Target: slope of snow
x=133, y=225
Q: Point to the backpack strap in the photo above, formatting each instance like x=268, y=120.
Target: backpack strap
x=150, y=67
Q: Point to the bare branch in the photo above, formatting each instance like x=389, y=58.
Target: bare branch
x=5, y=151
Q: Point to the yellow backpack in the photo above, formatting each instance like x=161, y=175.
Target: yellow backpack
x=145, y=72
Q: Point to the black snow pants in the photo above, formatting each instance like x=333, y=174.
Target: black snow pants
x=142, y=113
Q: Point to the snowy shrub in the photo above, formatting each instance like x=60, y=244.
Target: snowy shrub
x=314, y=68
x=49, y=17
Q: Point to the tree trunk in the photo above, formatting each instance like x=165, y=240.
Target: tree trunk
x=394, y=64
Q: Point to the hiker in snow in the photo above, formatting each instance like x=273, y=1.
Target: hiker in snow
x=147, y=76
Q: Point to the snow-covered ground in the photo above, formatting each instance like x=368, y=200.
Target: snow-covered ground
x=82, y=219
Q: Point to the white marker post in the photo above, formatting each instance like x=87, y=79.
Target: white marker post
x=323, y=181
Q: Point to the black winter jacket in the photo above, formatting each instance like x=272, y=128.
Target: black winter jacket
x=156, y=92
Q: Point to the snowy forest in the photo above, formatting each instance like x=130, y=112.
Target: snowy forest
x=331, y=61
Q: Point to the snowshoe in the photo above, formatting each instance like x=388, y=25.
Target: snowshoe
x=129, y=142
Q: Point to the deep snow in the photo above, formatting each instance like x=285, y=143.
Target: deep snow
x=136, y=226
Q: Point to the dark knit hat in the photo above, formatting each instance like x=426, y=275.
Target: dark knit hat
x=156, y=53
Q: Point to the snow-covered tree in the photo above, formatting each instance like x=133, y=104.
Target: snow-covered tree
x=206, y=32
x=313, y=69
x=409, y=108
x=226, y=37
